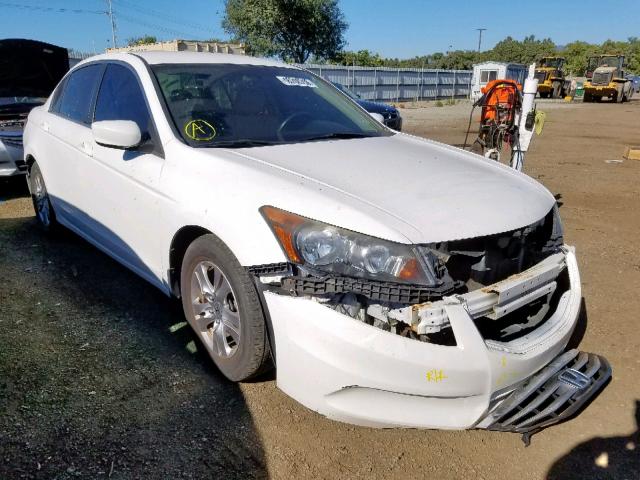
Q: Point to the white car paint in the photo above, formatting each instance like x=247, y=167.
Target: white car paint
x=399, y=188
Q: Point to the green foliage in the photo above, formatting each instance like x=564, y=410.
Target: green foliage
x=362, y=58
x=577, y=53
x=525, y=51
x=290, y=29
x=144, y=40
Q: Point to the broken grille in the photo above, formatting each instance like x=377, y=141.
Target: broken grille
x=552, y=395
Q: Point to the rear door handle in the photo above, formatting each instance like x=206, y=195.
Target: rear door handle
x=45, y=126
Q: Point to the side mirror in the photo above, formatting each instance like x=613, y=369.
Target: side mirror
x=123, y=134
x=377, y=116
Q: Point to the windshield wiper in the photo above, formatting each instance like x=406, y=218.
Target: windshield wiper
x=337, y=136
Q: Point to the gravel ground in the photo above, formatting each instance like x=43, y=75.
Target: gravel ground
x=100, y=378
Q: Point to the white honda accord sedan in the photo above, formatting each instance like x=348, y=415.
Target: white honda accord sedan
x=392, y=280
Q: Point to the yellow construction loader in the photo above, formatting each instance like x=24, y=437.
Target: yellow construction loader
x=551, y=77
x=605, y=78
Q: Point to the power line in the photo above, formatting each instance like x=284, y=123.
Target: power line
x=162, y=16
x=50, y=9
x=143, y=23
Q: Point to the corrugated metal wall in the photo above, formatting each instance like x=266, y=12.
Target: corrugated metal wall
x=395, y=84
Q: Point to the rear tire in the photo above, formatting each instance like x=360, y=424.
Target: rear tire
x=221, y=303
x=45, y=215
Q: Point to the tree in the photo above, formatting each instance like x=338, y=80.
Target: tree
x=577, y=54
x=363, y=58
x=526, y=51
x=290, y=29
x=144, y=40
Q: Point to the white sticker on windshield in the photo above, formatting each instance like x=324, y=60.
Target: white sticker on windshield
x=297, y=82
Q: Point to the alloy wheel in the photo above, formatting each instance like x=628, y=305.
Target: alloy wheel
x=216, y=316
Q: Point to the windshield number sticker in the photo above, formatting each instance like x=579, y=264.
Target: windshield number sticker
x=200, y=130
x=296, y=82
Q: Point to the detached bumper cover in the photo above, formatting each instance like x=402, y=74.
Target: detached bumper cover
x=552, y=395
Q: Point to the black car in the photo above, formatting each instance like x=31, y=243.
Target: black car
x=29, y=71
x=392, y=118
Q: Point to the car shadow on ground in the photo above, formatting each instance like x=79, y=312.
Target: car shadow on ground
x=13, y=187
x=101, y=377
x=602, y=458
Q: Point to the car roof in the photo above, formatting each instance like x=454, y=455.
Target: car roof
x=164, y=58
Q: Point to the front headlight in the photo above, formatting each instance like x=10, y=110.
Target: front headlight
x=331, y=249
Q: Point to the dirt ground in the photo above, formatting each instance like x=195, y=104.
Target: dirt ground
x=100, y=378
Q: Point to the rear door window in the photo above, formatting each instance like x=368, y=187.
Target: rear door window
x=121, y=98
x=79, y=93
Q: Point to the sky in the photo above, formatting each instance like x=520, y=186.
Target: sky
x=393, y=28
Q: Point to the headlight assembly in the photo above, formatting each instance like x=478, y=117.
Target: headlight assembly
x=331, y=249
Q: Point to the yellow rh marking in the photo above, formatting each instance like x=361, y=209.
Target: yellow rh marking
x=436, y=376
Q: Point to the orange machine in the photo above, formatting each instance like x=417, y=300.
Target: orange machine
x=501, y=104
x=499, y=101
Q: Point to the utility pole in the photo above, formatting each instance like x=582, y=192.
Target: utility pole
x=113, y=24
x=480, y=30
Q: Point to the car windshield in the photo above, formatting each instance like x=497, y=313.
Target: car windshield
x=227, y=105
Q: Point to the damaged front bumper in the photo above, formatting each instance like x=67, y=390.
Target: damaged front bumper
x=357, y=373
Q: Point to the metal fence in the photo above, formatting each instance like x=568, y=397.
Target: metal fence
x=398, y=84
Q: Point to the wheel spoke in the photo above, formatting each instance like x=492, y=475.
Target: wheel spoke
x=199, y=308
x=203, y=322
x=201, y=276
x=223, y=289
x=231, y=321
x=220, y=342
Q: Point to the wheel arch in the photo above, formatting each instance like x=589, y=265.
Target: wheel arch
x=179, y=244
x=29, y=160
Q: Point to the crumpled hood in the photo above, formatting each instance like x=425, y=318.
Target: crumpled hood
x=29, y=68
x=442, y=193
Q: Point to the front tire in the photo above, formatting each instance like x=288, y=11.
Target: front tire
x=45, y=215
x=222, y=306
